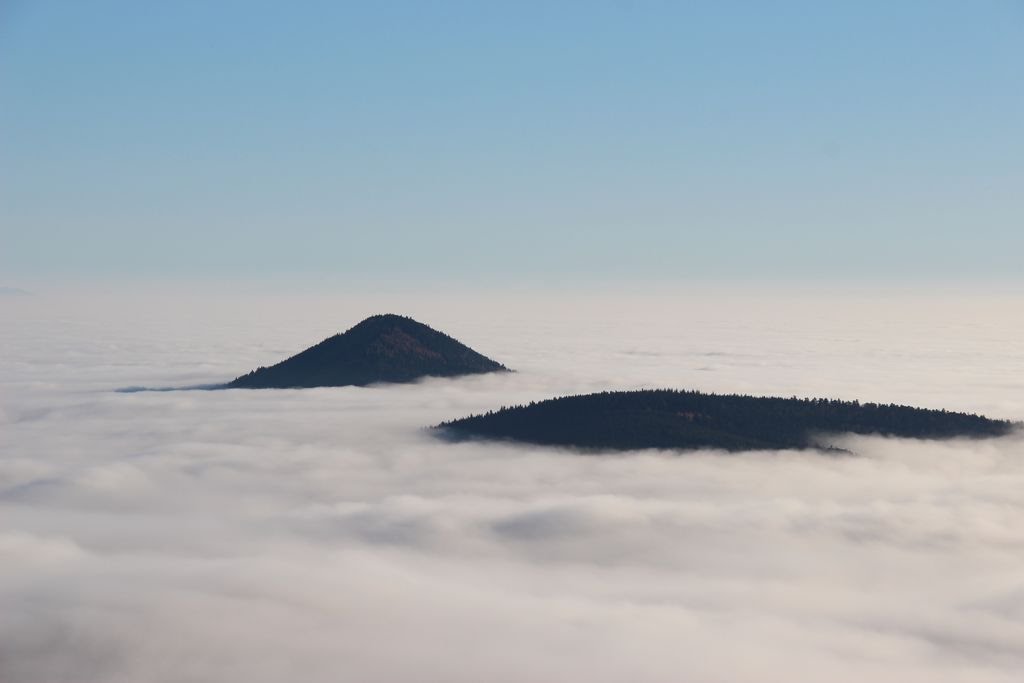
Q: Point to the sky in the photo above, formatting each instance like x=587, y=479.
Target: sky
x=323, y=535
x=528, y=141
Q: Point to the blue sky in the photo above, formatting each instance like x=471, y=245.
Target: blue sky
x=478, y=141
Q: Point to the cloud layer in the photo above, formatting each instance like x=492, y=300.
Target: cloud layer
x=322, y=535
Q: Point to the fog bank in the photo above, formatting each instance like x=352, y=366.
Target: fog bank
x=323, y=535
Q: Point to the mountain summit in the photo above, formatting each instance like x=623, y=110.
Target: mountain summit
x=382, y=348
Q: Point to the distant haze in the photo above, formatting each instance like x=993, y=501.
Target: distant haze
x=316, y=534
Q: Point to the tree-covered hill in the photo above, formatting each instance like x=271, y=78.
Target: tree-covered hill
x=382, y=348
x=687, y=420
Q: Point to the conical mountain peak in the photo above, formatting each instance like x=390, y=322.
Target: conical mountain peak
x=381, y=348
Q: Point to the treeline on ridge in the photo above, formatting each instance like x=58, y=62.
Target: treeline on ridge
x=675, y=419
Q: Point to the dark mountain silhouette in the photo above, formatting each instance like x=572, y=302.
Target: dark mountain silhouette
x=688, y=420
x=382, y=348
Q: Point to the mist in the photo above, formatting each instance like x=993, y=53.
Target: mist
x=325, y=535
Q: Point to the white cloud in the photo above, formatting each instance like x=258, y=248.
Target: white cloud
x=322, y=535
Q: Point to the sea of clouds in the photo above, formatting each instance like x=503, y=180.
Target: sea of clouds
x=324, y=535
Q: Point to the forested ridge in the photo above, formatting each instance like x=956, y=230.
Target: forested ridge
x=678, y=419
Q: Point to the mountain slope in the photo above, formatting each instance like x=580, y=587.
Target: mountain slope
x=382, y=348
x=685, y=420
